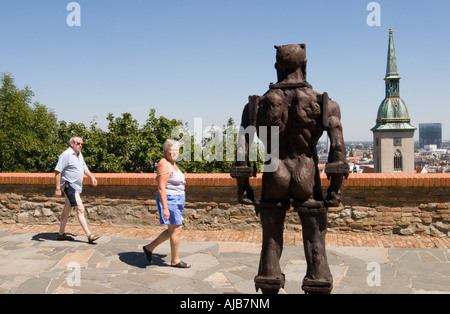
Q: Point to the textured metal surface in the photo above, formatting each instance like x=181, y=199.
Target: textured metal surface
x=302, y=116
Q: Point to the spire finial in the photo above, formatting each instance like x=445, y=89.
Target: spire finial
x=391, y=69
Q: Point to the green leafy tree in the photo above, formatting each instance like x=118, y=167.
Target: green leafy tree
x=95, y=150
x=153, y=134
x=28, y=132
x=122, y=142
x=32, y=139
x=125, y=146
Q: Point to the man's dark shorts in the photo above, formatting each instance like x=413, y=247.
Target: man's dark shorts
x=72, y=196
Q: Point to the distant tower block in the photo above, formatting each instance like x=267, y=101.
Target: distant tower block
x=393, y=135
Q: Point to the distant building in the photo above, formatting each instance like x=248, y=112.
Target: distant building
x=430, y=134
x=393, y=134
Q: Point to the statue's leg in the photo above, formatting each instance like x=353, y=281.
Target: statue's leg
x=318, y=277
x=270, y=278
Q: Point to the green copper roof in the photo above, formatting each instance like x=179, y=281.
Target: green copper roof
x=392, y=113
x=391, y=68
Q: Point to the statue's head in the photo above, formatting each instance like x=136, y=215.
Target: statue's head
x=291, y=59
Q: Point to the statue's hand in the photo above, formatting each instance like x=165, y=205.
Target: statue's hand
x=242, y=173
x=333, y=199
x=336, y=172
x=246, y=195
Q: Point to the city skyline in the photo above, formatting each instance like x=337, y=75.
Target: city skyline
x=203, y=59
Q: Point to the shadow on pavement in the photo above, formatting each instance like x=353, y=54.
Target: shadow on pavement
x=41, y=237
x=138, y=259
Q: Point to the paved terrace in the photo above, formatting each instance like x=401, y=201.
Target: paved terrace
x=32, y=261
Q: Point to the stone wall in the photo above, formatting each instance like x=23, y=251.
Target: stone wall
x=387, y=203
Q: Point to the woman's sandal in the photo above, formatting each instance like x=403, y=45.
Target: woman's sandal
x=181, y=264
x=65, y=237
x=92, y=238
x=148, y=254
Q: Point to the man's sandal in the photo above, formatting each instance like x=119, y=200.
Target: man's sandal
x=65, y=237
x=92, y=238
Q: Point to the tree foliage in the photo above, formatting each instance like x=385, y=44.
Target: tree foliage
x=28, y=132
x=32, y=138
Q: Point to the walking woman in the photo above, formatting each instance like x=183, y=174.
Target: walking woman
x=170, y=199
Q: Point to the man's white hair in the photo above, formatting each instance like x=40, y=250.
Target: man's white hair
x=75, y=138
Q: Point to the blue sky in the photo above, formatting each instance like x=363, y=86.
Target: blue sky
x=203, y=58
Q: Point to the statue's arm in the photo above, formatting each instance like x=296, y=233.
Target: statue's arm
x=242, y=170
x=337, y=168
x=243, y=140
x=335, y=132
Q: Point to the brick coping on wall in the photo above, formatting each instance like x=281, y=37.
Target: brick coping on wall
x=224, y=179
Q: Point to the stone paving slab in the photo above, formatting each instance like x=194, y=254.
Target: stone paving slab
x=37, y=263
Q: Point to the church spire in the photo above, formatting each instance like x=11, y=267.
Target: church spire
x=393, y=134
x=392, y=113
x=391, y=69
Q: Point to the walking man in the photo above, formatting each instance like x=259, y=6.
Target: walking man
x=69, y=178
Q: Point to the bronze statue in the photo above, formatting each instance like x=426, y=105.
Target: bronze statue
x=301, y=115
